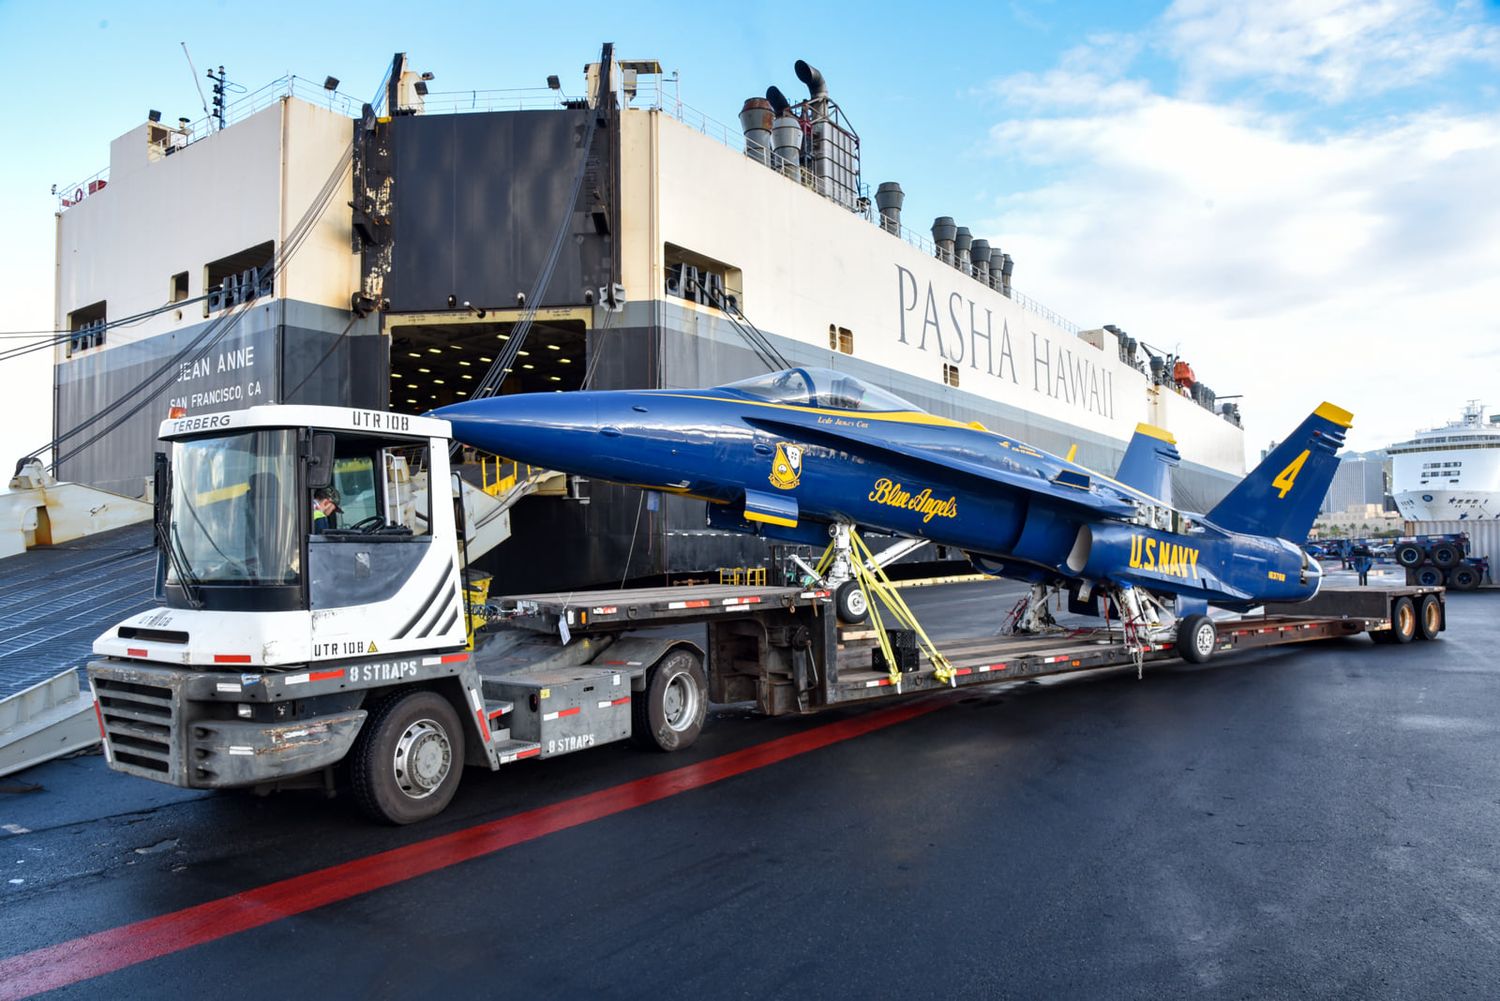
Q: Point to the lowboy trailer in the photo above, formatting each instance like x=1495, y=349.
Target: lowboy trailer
x=404, y=726
x=292, y=645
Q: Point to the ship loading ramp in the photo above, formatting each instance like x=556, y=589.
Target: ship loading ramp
x=56, y=601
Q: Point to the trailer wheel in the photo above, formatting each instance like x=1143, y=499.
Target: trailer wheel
x=1429, y=617
x=1428, y=577
x=1446, y=555
x=406, y=763
x=1403, y=621
x=669, y=714
x=850, y=603
x=1463, y=578
x=1196, y=638
x=1409, y=554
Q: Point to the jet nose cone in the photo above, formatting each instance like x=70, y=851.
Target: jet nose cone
x=543, y=429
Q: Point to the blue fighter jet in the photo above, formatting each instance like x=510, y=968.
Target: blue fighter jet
x=807, y=454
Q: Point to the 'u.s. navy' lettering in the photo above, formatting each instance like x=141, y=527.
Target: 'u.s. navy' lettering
x=1163, y=557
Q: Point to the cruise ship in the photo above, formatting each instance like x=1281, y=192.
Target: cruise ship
x=1449, y=473
x=304, y=247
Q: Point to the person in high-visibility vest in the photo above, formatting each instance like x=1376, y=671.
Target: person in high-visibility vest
x=325, y=509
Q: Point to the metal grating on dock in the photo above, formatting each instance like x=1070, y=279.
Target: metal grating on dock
x=55, y=601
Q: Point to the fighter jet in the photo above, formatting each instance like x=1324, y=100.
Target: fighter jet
x=806, y=454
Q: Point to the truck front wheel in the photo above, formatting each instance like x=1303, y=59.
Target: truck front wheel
x=669, y=714
x=406, y=763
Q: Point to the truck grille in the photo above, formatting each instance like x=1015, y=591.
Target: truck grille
x=139, y=721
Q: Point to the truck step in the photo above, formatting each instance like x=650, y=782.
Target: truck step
x=516, y=750
x=495, y=708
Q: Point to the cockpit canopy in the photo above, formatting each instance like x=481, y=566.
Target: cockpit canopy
x=820, y=387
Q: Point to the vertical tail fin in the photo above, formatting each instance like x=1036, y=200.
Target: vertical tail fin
x=1148, y=462
x=1281, y=496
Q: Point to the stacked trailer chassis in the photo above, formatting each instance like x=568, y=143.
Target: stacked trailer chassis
x=577, y=671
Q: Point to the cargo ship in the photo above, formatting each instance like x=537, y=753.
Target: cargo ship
x=300, y=246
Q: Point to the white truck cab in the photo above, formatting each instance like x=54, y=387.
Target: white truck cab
x=252, y=573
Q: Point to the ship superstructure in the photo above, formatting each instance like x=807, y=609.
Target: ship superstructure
x=395, y=254
x=1450, y=473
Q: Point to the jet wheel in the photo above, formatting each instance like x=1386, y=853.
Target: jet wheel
x=850, y=603
x=1196, y=638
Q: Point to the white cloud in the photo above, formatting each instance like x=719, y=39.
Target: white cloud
x=1331, y=49
x=1360, y=266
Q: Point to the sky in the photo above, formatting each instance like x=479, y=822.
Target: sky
x=1297, y=196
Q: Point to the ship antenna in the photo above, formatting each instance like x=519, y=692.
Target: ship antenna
x=194, y=70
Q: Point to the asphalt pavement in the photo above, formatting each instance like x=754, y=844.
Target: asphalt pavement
x=1308, y=821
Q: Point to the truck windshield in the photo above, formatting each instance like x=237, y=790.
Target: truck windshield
x=235, y=517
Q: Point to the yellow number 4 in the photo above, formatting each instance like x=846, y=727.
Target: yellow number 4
x=1288, y=476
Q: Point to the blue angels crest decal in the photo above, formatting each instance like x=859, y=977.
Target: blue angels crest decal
x=786, y=468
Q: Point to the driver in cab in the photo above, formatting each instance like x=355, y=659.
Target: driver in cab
x=325, y=509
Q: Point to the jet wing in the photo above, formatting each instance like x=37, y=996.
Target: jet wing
x=1077, y=491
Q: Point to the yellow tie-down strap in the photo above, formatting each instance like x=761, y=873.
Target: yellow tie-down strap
x=877, y=584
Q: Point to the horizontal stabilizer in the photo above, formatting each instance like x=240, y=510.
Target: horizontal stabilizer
x=1148, y=462
x=1281, y=496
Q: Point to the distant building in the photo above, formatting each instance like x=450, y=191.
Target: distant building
x=1363, y=478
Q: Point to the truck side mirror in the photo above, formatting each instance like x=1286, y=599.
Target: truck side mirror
x=320, y=462
x=161, y=485
x=161, y=504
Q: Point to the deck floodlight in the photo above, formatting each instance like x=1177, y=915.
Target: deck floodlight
x=330, y=83
x=154, y=115
x=553, y=82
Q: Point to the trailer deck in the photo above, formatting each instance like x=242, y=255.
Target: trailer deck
x=608, y=610
x=1340, y=612
x=783, y=648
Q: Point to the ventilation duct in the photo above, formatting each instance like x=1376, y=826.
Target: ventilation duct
x=756, y=118
x=888, y=199
x=943, y=233
x=817, y=89
x=979, y=254
x=786, y=140
x=962, y=240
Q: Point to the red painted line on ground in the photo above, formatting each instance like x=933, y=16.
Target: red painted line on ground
x=114, y=949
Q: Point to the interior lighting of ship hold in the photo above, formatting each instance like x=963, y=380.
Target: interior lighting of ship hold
x=445, y=352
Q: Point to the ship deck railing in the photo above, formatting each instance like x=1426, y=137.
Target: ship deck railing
x=653, y=95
